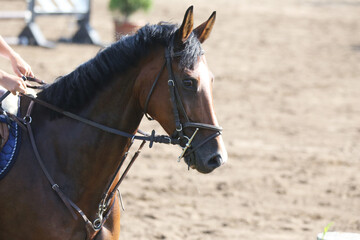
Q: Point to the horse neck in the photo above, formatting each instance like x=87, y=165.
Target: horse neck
x=82, y=159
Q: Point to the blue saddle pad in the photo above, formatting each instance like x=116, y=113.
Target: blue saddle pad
x=9, y=152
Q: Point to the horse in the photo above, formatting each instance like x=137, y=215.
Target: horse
x=160, y=72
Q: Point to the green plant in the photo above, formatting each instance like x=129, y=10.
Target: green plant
x=326, y=229
x=128, y=7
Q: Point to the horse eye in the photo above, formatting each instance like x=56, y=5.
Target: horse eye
x=188, y=82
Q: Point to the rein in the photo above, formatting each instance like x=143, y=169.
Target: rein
x=153, y=138
x=177, y=138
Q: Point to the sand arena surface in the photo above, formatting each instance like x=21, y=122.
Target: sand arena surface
x=287, y=93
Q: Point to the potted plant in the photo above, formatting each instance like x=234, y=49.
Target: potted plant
x=122, y=10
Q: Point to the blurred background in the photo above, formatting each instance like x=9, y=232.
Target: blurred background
x=287, y=93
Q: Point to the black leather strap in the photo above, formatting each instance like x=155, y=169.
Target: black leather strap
x=112, y=193
x=151, y=92
x=53, y=185
x=150, y=138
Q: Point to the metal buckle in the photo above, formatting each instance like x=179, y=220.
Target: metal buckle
x=97, y=224
x=27, y=119
x=170, y=81
x=168, y=138
x=179, y=129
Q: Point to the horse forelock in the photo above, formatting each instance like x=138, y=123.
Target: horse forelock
x=72, y=91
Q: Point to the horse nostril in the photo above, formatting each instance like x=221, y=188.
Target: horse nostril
x=215, y=162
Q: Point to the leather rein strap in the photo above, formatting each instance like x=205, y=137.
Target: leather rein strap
x=153, y=138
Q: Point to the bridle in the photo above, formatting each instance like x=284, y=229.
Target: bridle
x=177, y=138
x=178, y=108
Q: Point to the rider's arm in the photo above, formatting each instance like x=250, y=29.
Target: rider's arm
x=18, y=64
x=11, y=82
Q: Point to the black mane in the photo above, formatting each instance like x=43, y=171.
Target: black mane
x=72, y=91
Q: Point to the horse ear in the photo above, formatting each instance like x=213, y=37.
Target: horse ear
x=203, y=31
x=187, y=26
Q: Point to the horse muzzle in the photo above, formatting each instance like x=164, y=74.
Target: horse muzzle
x=207, y=157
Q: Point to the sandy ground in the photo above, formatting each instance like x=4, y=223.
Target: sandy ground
x=287, y=93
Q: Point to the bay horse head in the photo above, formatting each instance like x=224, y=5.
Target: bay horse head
x=181, y=99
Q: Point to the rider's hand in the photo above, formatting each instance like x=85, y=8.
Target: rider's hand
x=12, y=83
x=20, y=67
